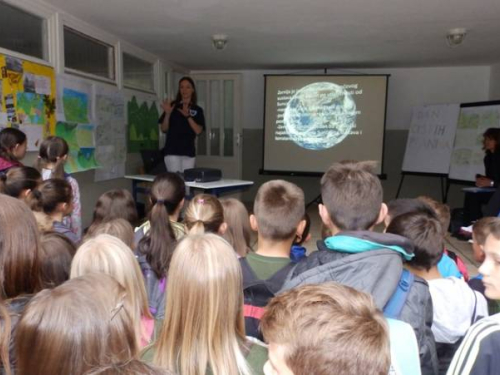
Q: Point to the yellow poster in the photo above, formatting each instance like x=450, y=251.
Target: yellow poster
x=27, y=98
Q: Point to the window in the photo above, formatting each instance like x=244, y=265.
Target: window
x=23, y=32
x=138, y=73
x=88, y=55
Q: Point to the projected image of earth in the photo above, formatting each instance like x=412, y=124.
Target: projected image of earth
x=320, y=115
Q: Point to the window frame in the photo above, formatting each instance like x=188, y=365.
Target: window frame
x=68, y=21
x=147, y=57
x=48, y=16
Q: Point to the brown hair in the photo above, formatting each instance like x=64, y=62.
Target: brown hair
x=441, y=210
x=482, y=228
x=52, y=151
x=9, y=138
x=5, y=330
x=119, y=228
x=178, y=97
x=204, y=214
x=328, y=326
x=279, y=207
x=76, y=326
x=159, y=242
x=19, y=249
x=18, y=179
x=47, y=197
x=352, y=195
x=238, y=231
x=425, y=231
x=494, y=134
x=115, y=204
x=56, y=254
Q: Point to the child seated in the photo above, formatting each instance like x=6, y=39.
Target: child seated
x=278, y=217
x=455, y=306
x=478, y=353
x=326, y=329
x=56, y=253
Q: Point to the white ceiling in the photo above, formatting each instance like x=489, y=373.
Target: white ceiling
x=292, y=34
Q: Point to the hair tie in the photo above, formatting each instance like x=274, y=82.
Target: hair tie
x=160, y=201
x=200, y=201
x=3, y=176
x=38, y=157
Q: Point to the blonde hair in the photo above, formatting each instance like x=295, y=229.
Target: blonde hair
x=109, y=255
x=328, y=326
x=238, y=231
x=119, y=228
x=203, y=214
x=204, y=326
x=75, y=327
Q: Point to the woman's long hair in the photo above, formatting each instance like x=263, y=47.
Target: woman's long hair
x=194, y=97
x=238, y=232
x=204, y=214
x=52, y=151
x=159, y=242
x=19, y=249
x=204, y=326
x=75, y=327
x=107, y=254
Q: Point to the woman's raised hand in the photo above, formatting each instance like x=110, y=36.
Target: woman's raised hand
x=167, y=106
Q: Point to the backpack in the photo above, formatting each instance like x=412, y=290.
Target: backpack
x=257, y=294
x=459, y=262
x=397, y=301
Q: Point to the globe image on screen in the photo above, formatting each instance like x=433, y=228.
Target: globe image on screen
x=320, y=115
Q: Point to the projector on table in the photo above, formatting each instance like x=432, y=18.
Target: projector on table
x=202, y=174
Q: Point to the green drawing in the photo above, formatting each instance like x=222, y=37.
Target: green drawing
x=31, y=108
x=76, y=106
x=143, y=132
x=67, y=131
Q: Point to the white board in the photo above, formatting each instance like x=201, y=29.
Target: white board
x=467, y=157
x=430, y=139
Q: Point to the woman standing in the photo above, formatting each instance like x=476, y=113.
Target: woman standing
x=182, y=120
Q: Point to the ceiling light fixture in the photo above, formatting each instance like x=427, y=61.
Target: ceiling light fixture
x=219, y=41
x=455, y=37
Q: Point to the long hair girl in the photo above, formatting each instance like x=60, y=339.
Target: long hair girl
x=109, y=255
x=52, y=156
x=158, y=243
x=13, y=144
x=238, y=232
x=75, y=327
x=204, y=326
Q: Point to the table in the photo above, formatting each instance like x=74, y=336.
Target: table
x=214, y=188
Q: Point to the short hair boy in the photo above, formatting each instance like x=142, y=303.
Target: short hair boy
x=358, y=257
x=278, y=217
x=315, y=329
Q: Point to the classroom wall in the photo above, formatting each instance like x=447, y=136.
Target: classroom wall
x=495, y=82
x=408, y=87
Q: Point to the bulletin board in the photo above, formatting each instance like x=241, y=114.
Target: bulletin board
x=27, y=98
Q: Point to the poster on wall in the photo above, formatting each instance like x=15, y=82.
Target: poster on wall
x=27, y=98
x=75, y=123
x=142, y=120
x=111, y=140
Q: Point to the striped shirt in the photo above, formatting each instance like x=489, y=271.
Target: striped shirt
x=479, y=352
